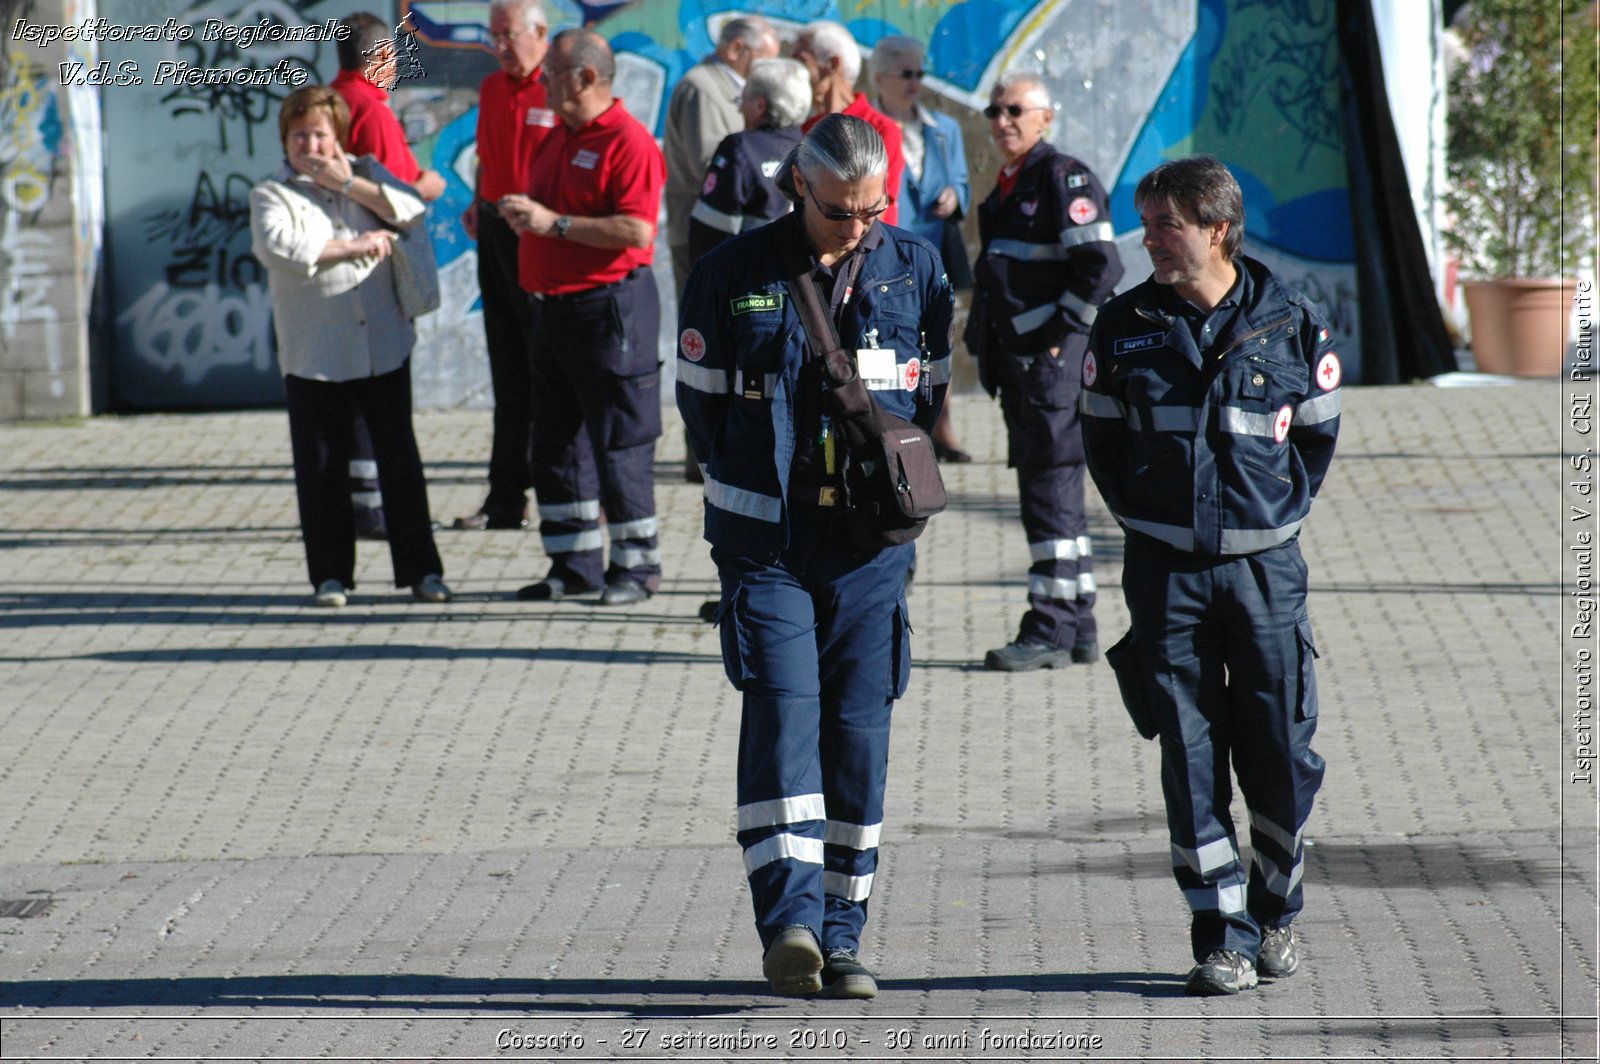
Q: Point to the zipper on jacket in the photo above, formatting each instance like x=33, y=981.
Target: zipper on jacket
x=1225, y=352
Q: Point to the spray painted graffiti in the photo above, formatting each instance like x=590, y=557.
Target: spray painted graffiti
x=191, y=330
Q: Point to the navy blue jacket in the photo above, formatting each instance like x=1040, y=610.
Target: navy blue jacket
x=740, y=349
x=1048, y=260
x=740, y=191
x=1213, y=456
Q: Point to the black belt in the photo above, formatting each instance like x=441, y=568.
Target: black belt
x=584, y=293
x=488, y=207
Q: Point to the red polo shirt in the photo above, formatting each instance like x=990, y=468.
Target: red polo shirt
x=889, y=130
x=610, y=166
x=512, y=121
x=374, y=130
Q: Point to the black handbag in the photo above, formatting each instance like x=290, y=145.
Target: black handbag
x=891, y=476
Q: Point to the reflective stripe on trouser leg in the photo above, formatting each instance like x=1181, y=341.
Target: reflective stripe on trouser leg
x=624, y=425
x=1181, y=646
x=818, y=660
x=1061, y=586
x=1272, y=696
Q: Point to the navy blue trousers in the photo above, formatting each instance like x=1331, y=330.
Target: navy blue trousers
x=597, y=413
x=1219, y=663
x=505, y=333
x=819, y=642
x=320, y=416
x=1039, y=398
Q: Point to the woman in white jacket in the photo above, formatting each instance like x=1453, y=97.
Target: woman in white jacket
x=324, y=227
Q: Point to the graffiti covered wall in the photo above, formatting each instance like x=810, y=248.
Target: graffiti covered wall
x=188, y=315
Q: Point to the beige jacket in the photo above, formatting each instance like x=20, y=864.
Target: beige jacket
x=339, y=321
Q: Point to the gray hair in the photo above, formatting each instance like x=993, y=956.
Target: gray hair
x=785, y=85
x=829, y=40
x=531, y=10
x=588, y=49
x=1017, y=79
x=842, y=146
x=888, y=53
x=751, y=30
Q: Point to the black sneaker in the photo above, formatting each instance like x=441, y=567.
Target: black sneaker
x=1280, y=955
x=1223, y=972
x=843, y=976
x=1026, y=655
x=793, y=963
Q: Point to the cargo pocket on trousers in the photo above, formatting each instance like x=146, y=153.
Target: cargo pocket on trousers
x=636, y=414
x=900, y=655
x=1305, y=703
x=735, y=640
x=1131, y=681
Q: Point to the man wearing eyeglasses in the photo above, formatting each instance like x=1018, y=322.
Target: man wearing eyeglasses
x=815, y=631
x=513, y=118
x=1047, y=263
x=588, y=228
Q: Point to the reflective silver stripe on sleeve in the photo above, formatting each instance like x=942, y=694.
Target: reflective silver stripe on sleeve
x=1224, y=899
x=1030, y=320
x=1249, y=541
x=1084, y=309
x=1094, y=233
x=573, y=542
x=1057, y=549
x=1246, y=422
x=1324, y=407
x=708, y=215
x=633, y=557
x=744, y=503
x=582, y=510
x=1026, y=251
x=937, y=370
x=643, y=528
x=1093, y=404
x=779, y=847
x=850, y=888
x=1207, y=858
x=855, y=836
x=795, y=810
x=706, y=379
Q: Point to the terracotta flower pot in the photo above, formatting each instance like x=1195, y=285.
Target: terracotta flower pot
x=1520, y=327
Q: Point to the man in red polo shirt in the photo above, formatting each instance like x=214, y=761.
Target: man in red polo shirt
x=834, y=60
x=367, y=68
x=588, y=227
x=513, y=119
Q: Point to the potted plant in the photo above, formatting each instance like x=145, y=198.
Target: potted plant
x=1520, y=161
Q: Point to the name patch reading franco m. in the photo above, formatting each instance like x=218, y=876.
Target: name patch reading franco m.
x=756, y=302
x=1136, y=343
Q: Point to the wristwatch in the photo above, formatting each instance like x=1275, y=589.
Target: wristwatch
x=563, y=223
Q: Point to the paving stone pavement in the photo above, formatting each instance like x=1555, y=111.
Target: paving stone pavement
x=502, y=830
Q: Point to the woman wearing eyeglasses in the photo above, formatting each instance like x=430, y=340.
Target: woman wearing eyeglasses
x=934, y=190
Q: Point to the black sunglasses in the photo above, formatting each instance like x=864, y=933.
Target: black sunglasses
x=913, y=75
x=1015, y=110
x=836, y=214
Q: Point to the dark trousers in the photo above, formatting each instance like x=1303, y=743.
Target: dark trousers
x=365, y=496
x=1039, y=398
x=1223, y=653
x=597, y=414
x=320, y=416
x=819, y=642
x=505, y=331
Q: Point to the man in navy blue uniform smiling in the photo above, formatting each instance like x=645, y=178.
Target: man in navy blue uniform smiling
x=815, y=631
x=1211, y=406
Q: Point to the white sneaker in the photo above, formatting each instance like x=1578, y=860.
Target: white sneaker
x=330, y=593
x=430, y=588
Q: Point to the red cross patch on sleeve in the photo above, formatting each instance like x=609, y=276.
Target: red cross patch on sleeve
x=1328, y=372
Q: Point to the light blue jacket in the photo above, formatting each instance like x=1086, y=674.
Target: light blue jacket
x=944, y=164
